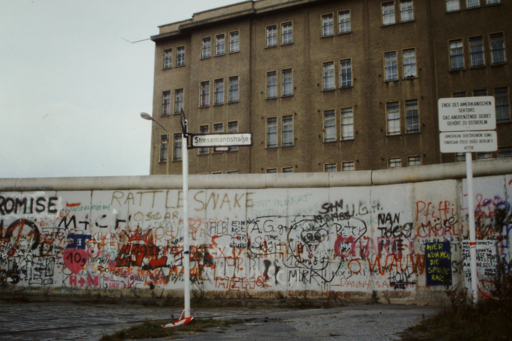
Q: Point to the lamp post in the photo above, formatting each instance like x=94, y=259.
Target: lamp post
x=148, y=117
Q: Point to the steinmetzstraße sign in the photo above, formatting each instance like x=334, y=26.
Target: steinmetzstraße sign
x=467, y=113
x=221, y=140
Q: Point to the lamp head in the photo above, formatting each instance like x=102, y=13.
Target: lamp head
x=146, y=116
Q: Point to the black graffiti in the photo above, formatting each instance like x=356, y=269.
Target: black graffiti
x=10, y=205
x=330, y=207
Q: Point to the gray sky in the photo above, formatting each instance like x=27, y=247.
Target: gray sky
x=72, y=87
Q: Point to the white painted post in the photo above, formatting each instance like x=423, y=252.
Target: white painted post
x=186, y=253
x=472, y=234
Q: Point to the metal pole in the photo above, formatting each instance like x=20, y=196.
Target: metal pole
x=472, y=234
x=168, y=139
x=186, y=253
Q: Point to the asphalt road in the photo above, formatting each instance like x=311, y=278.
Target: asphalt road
x=71, y=321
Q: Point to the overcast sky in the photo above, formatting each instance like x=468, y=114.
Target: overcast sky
x=72, y=86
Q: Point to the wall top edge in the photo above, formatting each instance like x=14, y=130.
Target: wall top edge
x=456, y=170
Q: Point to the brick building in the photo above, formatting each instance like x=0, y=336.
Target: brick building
x=328, y=85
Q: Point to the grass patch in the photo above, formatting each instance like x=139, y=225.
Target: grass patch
x=153, y=329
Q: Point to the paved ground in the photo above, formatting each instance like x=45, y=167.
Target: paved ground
x=69, y=321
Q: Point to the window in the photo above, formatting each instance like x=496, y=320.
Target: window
x=476, y=51
x=233, y=89
x=346, y=73
x=391, y=68
x=409, y=57
x=272, y=132
x=459, y=94
x=497, y=48
x=234, y=42
x=477, y=93
x=348, y=166
x=452, y=5
x=388, y=13
x=406, y=11
x=414, y=161
x=287, y=131
x=167, y=59
x=472, y=3
x=272, y=170
x=347, y=124
x=327, y=25
x=460, y=156
x=166, y=103
x=287, y=33
x=288, y=170
x=502, y=106
x=203, y=130
x=287, y=83
x=271, y=36
x=233, y=172
x=483, y=156
x=393, y=118
x=220, y=45
x=330, y=167
x=328, y=76
x=344, y=21
x=493, y=2
x=218, y=128
x=177, y=147
x=271, y=85
x=412, y=116
x=163, y=148
x=329, y=126
x=178, y=101
x=232, y=128
x=394, y=163
x=456, y=55
x=205, y=94
x=219, y=91
x=505, y=152
x=180, y=56
x=206, y=49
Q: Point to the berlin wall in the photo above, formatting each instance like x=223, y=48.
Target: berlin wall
x=402, y=240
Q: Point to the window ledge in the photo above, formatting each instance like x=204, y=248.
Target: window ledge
x=166, y=68
x=498, y=64
x=346, y=87
x=328, y=90
x=477, y=67
x=414, y=133
x=203, y=154
x=329, y=142
x=203, y=106
x=287, y=44
x=233, y=52
x=271, y=98
x=387, y=25
x=233, y=102
x=504, y=122
x=220, y=55
x=407, y=21
x=182, y=65
x=329, y=36
x=344, y=33
x=162, y=161
x=168, y=115
x=475, y=7
x=410, y=78
x=270, y=47
x=177, y=113
x=347, y=140
x=392, y=81
x=454, y=11
x=457, y=70
x=287, y=96
x=292, y=145
x=176, y=160
x=271, y=148
x=393, y=135
x=204, y=58
x=218, y=104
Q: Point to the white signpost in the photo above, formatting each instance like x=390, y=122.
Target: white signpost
x=467, y=125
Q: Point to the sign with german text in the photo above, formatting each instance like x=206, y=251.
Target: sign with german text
x=467, y=113
x=221, y=140
x=438, y=263
x=468, y=141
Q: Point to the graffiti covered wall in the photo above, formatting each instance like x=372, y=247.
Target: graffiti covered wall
x=348, y=240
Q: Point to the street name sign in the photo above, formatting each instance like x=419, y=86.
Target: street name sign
x=468, y=141
x=221, y=140
x=467, y=113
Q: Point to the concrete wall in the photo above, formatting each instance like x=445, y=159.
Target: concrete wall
x=351, y=240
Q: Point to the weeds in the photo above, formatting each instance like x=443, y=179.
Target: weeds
x=153, y=329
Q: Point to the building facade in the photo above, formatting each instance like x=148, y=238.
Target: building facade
x=327, y=85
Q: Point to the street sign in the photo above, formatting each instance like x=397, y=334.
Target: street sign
x=467, y=113
x=221, y=140
x=468, y=141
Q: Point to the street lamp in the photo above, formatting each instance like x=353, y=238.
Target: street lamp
x=148, y=117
